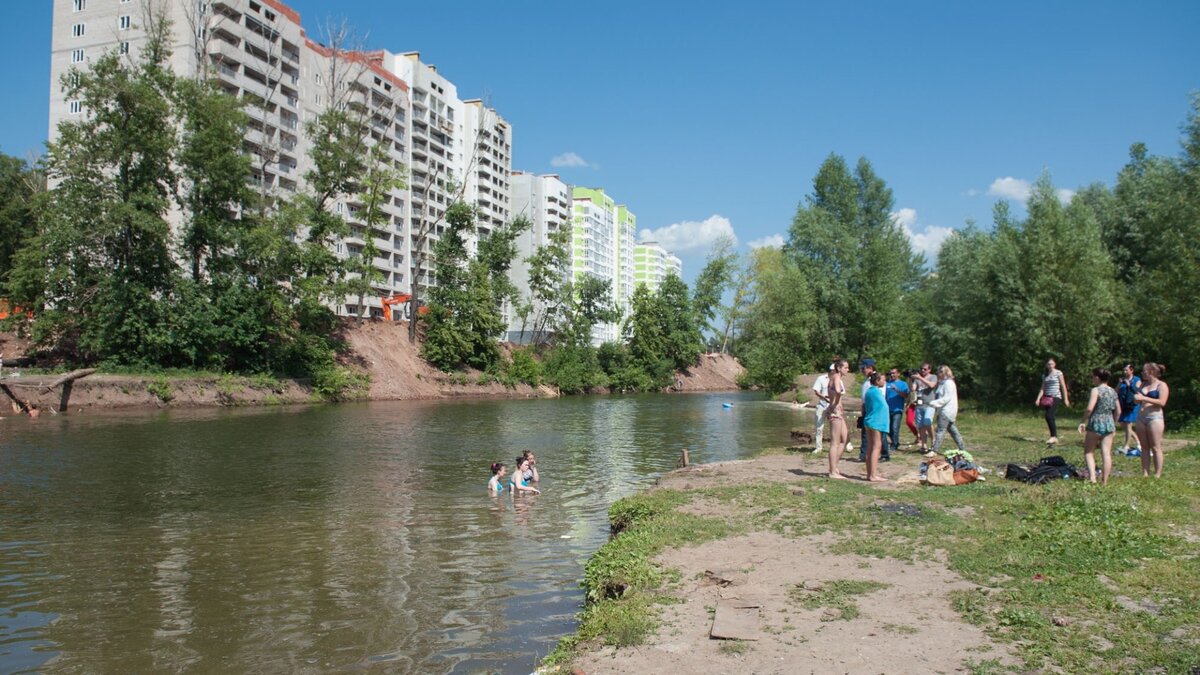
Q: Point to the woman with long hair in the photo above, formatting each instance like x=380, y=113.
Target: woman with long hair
x=1052, y=393
x=839, y=433
x=1100, y=424
x=1153, y=399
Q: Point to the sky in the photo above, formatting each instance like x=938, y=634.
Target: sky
x=711, y=120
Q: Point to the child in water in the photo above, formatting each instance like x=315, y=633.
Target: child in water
x=498, y=472
x=518, y=481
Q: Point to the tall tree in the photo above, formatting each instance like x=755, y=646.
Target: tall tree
x=777, y=338
x=102, y=260
x=713, y=281
x=20, y=187
x=860, y=263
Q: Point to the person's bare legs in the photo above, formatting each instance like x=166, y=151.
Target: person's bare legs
x=874, y=445
x=1152, y=444
x=837, y=443
x=1106, y=456
x=1089, y=454
x=1143, y=442
x=1131, y=435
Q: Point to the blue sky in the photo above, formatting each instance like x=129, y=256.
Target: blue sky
x=706, y=119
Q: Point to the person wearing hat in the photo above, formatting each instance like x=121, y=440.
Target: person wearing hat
x=867, y=368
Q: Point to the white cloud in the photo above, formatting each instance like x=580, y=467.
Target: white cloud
x=1010, y=188
x=1019, y=189
x=568, y=160
x=773, y=241
x=690, y=235
x=905, y=217
x=928, y=241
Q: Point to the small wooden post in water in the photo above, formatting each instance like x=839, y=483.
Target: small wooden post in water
x=683, y=459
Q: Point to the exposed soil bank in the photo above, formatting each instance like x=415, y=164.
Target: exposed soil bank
x=380, y=349
x=748, y=583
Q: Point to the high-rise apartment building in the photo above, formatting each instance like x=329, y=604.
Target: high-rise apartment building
x=259, y=52
x=602, y=246
x=652, y=263
x=546, y=202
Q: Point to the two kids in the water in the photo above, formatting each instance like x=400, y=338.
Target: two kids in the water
x=520, y=482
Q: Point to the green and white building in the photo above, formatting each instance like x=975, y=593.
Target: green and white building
x=602, y=246
x=652, y=263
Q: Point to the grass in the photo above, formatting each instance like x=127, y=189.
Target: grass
x=1058, y=565
x=836, y=596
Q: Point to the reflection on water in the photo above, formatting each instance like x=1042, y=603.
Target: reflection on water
x=309, y=539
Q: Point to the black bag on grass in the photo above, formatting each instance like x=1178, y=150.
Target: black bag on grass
x=1046, y=470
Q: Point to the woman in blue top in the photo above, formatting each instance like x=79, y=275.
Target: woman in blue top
x=1127, y=389
x=876, y=421
x=495, y=484
x=518, y=482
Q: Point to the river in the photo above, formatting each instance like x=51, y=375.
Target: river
x=326, y=538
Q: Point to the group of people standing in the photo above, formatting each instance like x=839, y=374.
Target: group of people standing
x=521, y=480
x=922, y=399
x=928, y=403
x=1136, y=404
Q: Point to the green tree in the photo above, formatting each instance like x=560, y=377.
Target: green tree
x=20, y=188
x=713, y=281
x=374, y=192
x=101, y=262
x=859, y=261
x=777, y=337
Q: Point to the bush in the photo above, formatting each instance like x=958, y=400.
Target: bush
x=161, y=387
x=574, y=369
x=524, y=367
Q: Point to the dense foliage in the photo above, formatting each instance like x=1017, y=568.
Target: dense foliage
x=238, y=285
x=151, y=250
x=1106, y=277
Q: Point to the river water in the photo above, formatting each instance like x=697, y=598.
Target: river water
x=326, y=538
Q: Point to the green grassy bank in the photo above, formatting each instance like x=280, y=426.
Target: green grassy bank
x=1077, y=577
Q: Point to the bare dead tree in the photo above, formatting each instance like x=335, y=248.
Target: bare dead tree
x=422, y=232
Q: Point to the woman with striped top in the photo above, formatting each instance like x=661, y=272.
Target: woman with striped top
x=1052, y=393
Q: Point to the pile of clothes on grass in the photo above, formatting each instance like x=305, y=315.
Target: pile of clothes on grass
x=1046, y=470
x=954, y=467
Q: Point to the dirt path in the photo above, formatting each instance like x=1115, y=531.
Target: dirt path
x=903, y=621
x=905, y=625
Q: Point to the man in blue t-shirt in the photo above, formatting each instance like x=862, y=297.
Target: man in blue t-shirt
x=896, y=391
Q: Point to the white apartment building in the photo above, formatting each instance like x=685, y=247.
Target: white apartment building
x=260, y=53
x=546, y=202
x=602, y=246
x=652, y=263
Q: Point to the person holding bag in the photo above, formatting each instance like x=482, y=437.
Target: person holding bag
x=1052, y=393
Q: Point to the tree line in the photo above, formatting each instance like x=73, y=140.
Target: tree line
x=153, y=249
x=1109, y=277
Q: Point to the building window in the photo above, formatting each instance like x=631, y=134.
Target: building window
x=318, y=99
x=75, y=107
x=123, y=48
x=77, y=30
x=80, y=5
x=76, y=56
x=124, y=22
